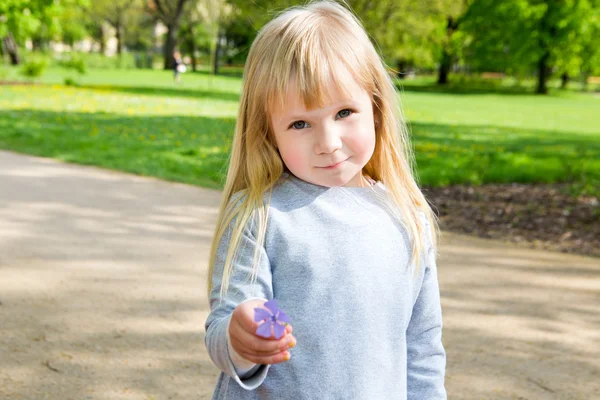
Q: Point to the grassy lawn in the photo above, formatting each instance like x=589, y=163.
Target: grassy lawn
x=140, y=121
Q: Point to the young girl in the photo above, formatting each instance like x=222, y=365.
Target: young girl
x=321, y=213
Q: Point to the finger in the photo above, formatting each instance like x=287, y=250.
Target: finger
x=259, y=346
x=238, y=325
x=271, y=359
x=250, y=354
x=244, y=314
x=253, y=343
x=247, y=322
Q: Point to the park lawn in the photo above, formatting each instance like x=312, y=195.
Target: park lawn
x=141, y=122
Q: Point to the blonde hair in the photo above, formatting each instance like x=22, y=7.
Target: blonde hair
x=311, y=46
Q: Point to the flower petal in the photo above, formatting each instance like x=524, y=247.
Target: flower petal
x=264, y=329
x=279, y=330
x=272, y=305
x=260, y=314
x=282, y=317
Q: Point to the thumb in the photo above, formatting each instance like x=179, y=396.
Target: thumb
x=250, y=306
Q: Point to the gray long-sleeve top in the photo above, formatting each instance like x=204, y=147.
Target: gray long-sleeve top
x=366, y=326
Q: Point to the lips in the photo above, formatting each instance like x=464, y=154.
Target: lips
x=334, y=165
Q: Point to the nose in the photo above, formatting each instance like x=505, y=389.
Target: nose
x=328, y=140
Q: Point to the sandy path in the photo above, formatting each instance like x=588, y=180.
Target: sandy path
x=102, y=279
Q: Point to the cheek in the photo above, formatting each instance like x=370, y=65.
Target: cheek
x=363, y=144
x=292, y=157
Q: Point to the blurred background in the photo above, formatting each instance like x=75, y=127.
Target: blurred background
x=502, y=98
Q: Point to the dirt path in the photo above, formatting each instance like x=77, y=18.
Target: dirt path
x=102, y=279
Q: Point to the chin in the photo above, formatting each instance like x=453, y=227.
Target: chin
x=339, y=180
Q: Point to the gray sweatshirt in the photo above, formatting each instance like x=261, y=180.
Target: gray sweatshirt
x=367, y=326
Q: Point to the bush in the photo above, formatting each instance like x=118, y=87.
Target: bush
x=34, y=67
x=100, y=61
x=71, y=82
x=75, y=62
x=94, y=60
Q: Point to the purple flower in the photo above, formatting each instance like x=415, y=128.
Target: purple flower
x=273, y=319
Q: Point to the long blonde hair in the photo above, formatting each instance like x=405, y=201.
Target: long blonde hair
x=311, y=46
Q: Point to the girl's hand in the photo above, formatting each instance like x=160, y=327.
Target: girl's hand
x=254, y=348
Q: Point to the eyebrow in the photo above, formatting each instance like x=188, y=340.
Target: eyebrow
x=299, y=117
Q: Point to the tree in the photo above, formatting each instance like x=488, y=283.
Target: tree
x=454, y=12
x=526, y=35
x=194, y=34
x=196, y=28
x=590, y=43
x=139, y=35
x=117, y=13
x=216, y=15
x=74, y=24
x=18, y=20
x=37, y=19
x=170, y=13
x=407, y=33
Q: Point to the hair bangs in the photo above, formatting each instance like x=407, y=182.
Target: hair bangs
x=318, y=61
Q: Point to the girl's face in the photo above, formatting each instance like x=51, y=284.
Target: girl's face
x=326, y=146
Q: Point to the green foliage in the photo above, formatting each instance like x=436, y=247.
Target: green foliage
x=75, y=62
x=20, y=18
x=74, y=23
x=70, y=82
x=34, y=18
x=590, y=44
x=513, y=35
x=34, y=66
x=138, y=29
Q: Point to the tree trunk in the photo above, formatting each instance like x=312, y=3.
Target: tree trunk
x=119, y=36
x=172, y=21
x=545, y=45
x=215, y=66
x=564, y=80
x=193, y=54
x=169, y=48
x=542, y=88
x=190, y=45
x=98, y=36
x=444, y=68
x=446, y=61
x=401, y=65
x=12, y=49
x=36, y=44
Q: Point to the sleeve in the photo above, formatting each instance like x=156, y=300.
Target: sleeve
x=426, y=364
x=240, y=289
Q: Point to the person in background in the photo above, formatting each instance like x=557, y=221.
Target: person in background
x=178, y=65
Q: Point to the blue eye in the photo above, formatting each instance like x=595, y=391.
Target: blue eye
x=299, y=125
x=344, y=113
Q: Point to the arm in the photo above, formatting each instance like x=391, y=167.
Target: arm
x=240, y=289
x=426, y=355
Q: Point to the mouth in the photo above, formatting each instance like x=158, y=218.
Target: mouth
x=332, y=166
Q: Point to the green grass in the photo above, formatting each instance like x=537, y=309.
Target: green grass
x=141, y=122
